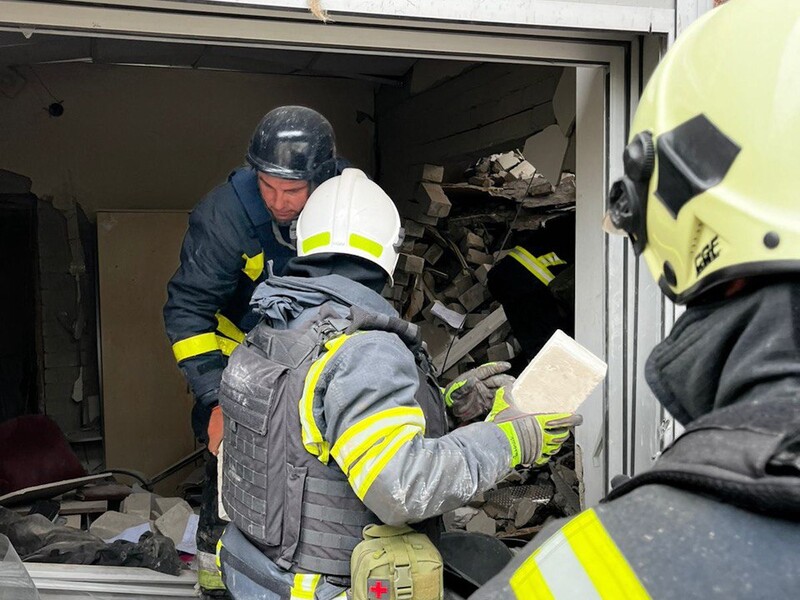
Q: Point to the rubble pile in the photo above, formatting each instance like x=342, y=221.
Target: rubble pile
x=454, y=233
x=112, y=511
x=520, y=505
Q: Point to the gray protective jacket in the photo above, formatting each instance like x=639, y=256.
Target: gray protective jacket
x=358, y=431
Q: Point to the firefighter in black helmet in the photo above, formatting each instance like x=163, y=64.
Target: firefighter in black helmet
x=235, y=233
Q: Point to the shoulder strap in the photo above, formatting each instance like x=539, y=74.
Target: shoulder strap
x=410, y=334
x=730, y=454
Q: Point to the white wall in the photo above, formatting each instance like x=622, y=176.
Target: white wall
x=147, y=138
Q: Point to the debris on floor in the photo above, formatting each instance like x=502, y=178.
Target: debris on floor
x=92, y=525
x=519, y=506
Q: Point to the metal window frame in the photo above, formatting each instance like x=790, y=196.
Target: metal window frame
x=619, y=313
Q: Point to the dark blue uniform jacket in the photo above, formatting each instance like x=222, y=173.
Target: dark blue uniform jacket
x=230, y=240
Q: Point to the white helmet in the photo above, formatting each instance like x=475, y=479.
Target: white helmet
x=349, y=214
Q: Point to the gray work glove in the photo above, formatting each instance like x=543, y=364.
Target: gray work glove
x=471, y=395
x=534, y=438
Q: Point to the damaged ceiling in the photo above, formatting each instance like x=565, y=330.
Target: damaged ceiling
x=17, y=50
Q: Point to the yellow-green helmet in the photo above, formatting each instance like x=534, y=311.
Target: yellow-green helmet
x=711, y=190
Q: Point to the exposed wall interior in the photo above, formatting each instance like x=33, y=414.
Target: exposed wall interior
x=452, y=113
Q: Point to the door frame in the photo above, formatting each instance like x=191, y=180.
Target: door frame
x=619, y=313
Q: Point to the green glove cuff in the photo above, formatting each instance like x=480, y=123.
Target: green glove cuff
x=453, y=387
x=499, y=405
x=513, y=439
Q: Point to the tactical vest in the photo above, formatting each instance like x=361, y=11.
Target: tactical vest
x=301, y=513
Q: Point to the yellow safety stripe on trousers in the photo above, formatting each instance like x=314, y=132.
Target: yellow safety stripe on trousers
x=305, y=584
x=312, y=437
x=578, y=561
x=253, y=266
x=532, y=264
x=195, y=346
x=226, y=327
x=367, y=432
x=551, y=259
x=370, y=465
x=219, y=551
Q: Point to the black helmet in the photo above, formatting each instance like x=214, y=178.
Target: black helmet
x=294, y=142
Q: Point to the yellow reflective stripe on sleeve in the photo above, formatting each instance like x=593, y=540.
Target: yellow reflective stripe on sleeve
x=312, y=437
x=366, y=433
x=532, y=264
x=315, y=241
x=370, y=465
x=305, y=584
x=227, y=346
x=195, y=346
x=253, y=265
x=606, y=566
x=551, y=259
x=367, y=245
x=226, y=327
x=578, y=561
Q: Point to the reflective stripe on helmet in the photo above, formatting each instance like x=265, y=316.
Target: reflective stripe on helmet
x=317, y=241
x=367, y=245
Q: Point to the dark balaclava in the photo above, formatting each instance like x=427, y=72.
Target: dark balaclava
x=730, y=351
x=354, y=268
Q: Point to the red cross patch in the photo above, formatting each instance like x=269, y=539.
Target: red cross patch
x=378, y=589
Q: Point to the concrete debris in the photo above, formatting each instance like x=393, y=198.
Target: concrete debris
x=139, y=505
x=110, y=525
x=526, y=508
x=506, y=161
x=73, y=521
x=432, y=173
x=432, y=200
x=482, y=523
x=174, y=522
x=162, y=505
x=458, y=518
x=547, y=150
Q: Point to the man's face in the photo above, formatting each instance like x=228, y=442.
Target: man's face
x=285, y=198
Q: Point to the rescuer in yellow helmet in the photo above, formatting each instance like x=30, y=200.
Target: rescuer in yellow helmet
x=711, y=199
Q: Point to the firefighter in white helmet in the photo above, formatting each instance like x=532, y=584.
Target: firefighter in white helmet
x=711, y=200
x=333, y=419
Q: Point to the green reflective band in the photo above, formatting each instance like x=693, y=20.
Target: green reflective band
x=498, y=405
x=511, y=434
x=315, y=241
x=455, y=386
x=366, y=244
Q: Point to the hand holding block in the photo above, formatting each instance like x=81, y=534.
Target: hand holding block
x=559, y=378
